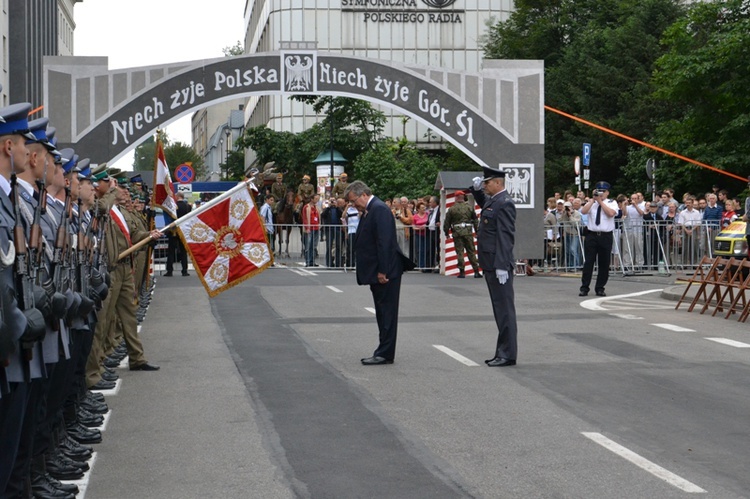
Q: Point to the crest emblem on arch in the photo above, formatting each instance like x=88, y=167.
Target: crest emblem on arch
x=298, y=71
x=439, y=4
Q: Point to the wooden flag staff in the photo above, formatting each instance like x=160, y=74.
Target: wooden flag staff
x=194, y=213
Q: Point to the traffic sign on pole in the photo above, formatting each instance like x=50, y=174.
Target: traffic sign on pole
x=184, y=173
x=586, y=154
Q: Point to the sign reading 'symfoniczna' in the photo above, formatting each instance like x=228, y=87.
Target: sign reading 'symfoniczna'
x=404, y=11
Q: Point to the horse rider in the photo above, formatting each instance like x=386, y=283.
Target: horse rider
x=278, y=189
x=306, y=190
x=340, y=187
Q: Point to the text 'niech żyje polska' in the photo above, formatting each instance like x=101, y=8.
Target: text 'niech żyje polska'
x=187, y=96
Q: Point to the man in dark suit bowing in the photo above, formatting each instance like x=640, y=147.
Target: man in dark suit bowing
x=497, y=228
x=379, y=264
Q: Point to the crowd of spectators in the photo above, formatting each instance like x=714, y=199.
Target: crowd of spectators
x=664, y=229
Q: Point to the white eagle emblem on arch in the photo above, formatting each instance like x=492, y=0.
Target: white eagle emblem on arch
x=298, y=72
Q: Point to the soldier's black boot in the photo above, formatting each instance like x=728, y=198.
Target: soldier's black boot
x=461, y=274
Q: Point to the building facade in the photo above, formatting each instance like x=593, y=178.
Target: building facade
x=444, y=33
x=30, y=30
x=215, y=129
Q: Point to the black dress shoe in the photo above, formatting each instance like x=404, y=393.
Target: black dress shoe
x=74, y=449
x=94, y=407
x=70, y=488
x=84, y=435
x=43, y=487
x=478, y=275
x=112, y=362
x=500, y=362
x=65, y=460
x=376, y=361
x=96, y=396
x=601, y=293
x=61, y=470
x=583, y=293
x=167, y=274
x=111, y=377
x=103, y=384
x=145, y=367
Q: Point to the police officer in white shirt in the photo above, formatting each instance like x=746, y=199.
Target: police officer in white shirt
x=598, y=244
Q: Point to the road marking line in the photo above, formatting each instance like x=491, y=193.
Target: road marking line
x=139, y=328
x=731, y=343
x=370, y=309
x=643, y=463
x=334, y=289
x=626, y=316
x=103, y=426
x=593, y=304
x=456, y=356
x=672, y=327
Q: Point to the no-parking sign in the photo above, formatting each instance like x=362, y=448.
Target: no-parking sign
x=184, y=173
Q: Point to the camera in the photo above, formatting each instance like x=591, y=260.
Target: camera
x=596, y=193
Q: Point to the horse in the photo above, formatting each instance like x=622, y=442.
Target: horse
x=285, y=220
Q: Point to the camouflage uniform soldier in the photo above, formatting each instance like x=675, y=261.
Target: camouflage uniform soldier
x=340, y=187
x=460, y=218
x=305, y=190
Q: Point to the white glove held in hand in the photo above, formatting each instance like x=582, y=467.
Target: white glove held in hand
x=502, y=275
x=477, y=183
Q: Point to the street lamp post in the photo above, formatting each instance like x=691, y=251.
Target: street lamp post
x=330, y=182
x=228, y=133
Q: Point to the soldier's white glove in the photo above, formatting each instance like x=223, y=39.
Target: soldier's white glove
x=502, y=275
x=477, y=183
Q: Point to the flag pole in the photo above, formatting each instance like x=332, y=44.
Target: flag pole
x=188, y=216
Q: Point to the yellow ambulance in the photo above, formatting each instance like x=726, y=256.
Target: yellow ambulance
x=731, y=241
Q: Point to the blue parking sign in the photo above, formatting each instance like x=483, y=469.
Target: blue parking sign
x=586, y=154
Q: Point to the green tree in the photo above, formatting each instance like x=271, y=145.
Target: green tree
x=145, y=155
x=390, y=170
x=599, y=56
x=702, y=81
x=237, y=49
x=234, y=168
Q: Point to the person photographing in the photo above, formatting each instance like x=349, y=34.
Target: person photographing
x=597, y=247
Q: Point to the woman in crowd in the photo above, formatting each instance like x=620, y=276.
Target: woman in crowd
x=420, y=234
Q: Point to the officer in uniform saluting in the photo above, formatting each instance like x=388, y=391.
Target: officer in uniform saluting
x=497, y=229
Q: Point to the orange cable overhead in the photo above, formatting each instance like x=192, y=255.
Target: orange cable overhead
x=644, y=144
x=34, y=111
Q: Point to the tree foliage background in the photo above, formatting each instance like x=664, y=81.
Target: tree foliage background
x=657, y=70
x=390, y=167
x=174, y=153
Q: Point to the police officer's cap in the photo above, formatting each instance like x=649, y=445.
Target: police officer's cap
x=83, y=164
x=136, y=179
x=66, y=156
x=602, y=186
x=490, y=173
x=84, y=173
x=14, y=120
x=69, y=165
x=38, y=129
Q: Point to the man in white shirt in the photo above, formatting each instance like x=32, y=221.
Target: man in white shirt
x=598, y=244
x=633, y=231
x=689, y=222
x=266, y=213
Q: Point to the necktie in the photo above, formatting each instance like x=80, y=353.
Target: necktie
x=598, y=214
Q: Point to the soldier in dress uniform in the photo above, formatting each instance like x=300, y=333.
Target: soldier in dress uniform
x=461, y=219
x=278, y=189
x=306, y=190
x=19, y=328
x=496, y=237
x=338, y=189
x=120, y=235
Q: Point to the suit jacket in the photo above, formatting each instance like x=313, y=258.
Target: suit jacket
x=497, y=230
x=376, y=246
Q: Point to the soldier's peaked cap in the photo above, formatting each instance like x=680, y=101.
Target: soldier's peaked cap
x=490, y=173
x=14, y=120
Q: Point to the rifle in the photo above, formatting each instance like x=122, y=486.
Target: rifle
x=26, y=297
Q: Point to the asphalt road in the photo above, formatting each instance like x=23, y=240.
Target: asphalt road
x=616, y=398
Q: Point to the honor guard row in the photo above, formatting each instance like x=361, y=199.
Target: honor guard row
x=66, y=302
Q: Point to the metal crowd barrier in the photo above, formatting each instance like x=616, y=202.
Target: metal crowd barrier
x=335, y=245
x=643, y=246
